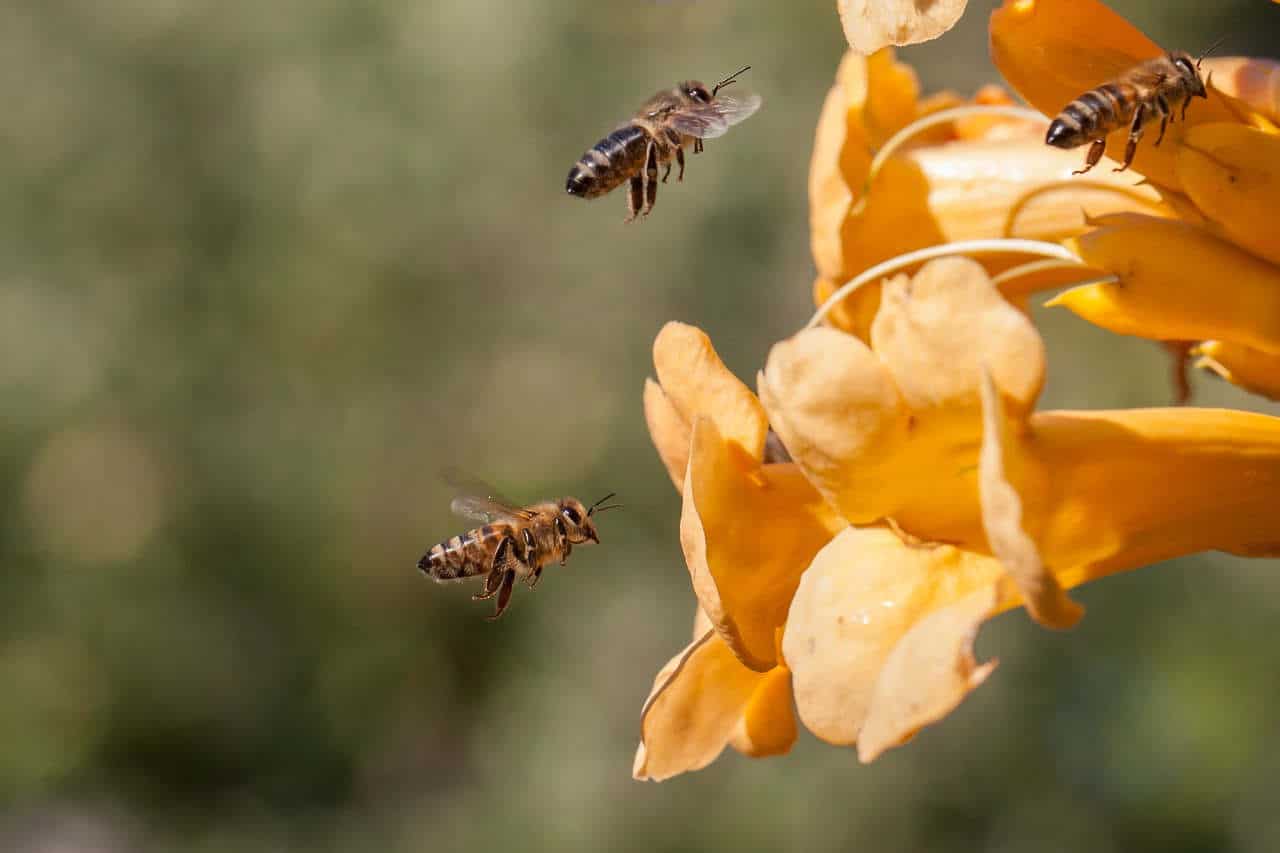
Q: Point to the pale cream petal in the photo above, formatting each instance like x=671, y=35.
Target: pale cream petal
x=928, y=674
x=693, y=709
x=870, y=25
x=1002, y=521
x=860, y=597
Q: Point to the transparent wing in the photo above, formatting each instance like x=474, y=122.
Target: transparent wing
x=707, y=121
x=485, y=509
x=477, y=499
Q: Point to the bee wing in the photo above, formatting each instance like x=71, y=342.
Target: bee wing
x=485, y=509
x=707, y=121
x=477, y=499
x=1093, y=62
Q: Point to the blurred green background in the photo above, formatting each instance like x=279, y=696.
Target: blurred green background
x=266, y=267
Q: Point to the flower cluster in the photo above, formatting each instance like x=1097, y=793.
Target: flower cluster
x=890, y=484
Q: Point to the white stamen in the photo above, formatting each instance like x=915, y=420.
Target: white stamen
x=965, y=247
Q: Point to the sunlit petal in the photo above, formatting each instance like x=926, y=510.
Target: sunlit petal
x=1254, y=371
x=697, y=384
x=668, y=430
x=928, y=673
x=1177, y=282
x=873, y=97
x=1232, y=173
x=695, y=705
x=870, y=25
x=862, y=595
x=1109, y=491
x=1256, y=82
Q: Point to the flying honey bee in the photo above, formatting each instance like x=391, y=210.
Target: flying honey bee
x=1137, y=97
x=684, y=115
x=514, y=542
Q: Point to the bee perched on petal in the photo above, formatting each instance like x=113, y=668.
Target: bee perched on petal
x=514, y=542
x=658, y=133
x=1139, y=96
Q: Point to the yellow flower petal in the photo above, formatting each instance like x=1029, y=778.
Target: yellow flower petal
x=1232, y=173
x=870, y=25
x=1110, y=491
x=936, y=331
x=1178, y=282
x=768, y=724
x=1254, y=371
x=873, y=97
x=861, y=596
x=748, y=532
x=928, y=673
x=668, y=430
x=695, y=705
x=1255, y=82
x=832, y=401
x=698, y=384
x=1046, y=601
x=1053, y=51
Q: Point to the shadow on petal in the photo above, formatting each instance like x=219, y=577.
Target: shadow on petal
x=748, y=532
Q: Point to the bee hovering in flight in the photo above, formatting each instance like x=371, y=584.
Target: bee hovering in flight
x=1137, y=97
x=658, y=133
x=514, y=542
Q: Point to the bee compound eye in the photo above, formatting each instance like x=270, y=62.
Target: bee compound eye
x=572, y=514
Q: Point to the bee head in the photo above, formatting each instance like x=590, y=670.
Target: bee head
x=1189, y=68
x=695, y=91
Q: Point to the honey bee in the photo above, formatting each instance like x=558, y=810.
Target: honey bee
x=514, y=543
x=684, y=115
x=1137, y=97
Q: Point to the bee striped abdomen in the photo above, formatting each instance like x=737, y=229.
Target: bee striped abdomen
x=609, y=163
x=466, y=555
x=1092, y=115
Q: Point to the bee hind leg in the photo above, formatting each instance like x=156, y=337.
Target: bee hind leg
x=491, y=583
x=635, y=197
x=1135, y=134
x=680, y=160
x=1095, y=154
x=651, y=178
x=504, y=595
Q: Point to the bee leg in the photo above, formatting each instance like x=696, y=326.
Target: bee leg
x=491, y=583
x=532, y=579
x=680, y=160
x=1135, y=133
x=504, y=595
x=1162, y=107
x=564, y=557
x=667, y=173
x=651, y=177
x=1095, y=154
x=1186, y=102
x=697, y=145
x=635, y=197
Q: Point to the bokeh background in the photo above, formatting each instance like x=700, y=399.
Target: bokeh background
x=265, y=268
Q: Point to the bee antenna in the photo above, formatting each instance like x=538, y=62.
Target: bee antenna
x=726, y=81
x=596, y=507
x=1210, y=49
